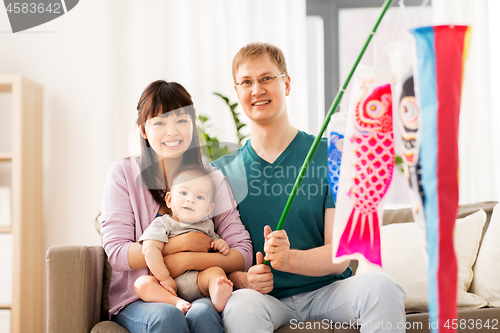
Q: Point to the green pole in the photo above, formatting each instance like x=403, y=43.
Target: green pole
x=335, y=103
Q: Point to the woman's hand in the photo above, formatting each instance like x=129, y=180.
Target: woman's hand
x=191, y=242
x=178, y=263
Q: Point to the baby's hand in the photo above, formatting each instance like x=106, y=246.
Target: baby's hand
x=170, y=285
x=183, y=305
x=221, y=246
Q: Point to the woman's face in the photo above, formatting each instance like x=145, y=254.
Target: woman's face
x=169, y=134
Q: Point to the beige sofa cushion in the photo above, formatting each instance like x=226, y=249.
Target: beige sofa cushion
x=403, y=257
x=487, y=268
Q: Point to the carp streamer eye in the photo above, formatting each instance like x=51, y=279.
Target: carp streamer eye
x=408, y=110
x=374, y=109
x=340, y=144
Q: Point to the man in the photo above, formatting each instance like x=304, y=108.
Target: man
x=303, y=283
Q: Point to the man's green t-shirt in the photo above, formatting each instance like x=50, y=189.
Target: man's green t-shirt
x=262, y=190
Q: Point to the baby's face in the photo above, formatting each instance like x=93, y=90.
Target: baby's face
x=190, y=197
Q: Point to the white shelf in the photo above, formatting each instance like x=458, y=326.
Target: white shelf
x=21, y=233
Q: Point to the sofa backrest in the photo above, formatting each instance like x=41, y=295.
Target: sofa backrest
x=405, y=215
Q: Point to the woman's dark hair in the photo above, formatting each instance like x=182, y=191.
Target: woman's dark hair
x=158, y=98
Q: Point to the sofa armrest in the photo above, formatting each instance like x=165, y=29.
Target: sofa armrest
x=74, y=288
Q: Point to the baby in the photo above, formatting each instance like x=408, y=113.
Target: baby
x=191, y=199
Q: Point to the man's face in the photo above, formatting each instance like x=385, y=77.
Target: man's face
x=262, y=102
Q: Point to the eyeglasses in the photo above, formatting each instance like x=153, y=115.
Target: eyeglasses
x=263, y=80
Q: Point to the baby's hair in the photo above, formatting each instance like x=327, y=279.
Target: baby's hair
x=199, y=171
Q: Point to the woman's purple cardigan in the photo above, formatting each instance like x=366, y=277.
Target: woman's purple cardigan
x=128, y=208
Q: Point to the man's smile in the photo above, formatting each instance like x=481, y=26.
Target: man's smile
x=259, y=103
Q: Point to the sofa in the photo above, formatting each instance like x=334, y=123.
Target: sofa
x=78, y=281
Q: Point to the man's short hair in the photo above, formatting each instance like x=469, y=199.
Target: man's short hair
x=254, y=50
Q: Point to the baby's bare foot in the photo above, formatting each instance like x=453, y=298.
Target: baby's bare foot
x=222, y=292
x=183, y=305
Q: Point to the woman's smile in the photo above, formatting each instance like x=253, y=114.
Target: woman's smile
x=169, y=134
x=172, y=144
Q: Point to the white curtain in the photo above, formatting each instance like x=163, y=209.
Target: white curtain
x=95, y=61
x=479, y=147
x=195, y=41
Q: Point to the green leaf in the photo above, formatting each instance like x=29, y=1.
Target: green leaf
x=237, y=123
x=223, y=97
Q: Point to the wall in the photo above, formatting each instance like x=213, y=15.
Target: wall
x=94, y=63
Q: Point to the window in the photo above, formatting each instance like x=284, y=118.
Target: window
x=344, y=26
x=338, y=19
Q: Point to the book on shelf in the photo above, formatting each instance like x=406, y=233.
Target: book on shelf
x=5, y=320
x=6, y=262
x=5, y=206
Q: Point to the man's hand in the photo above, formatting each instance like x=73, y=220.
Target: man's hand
x=260, y=277
x=221, y=246
x=277, y=248
x=170, y=285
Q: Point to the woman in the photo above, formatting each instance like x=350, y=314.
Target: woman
x=134, y=195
